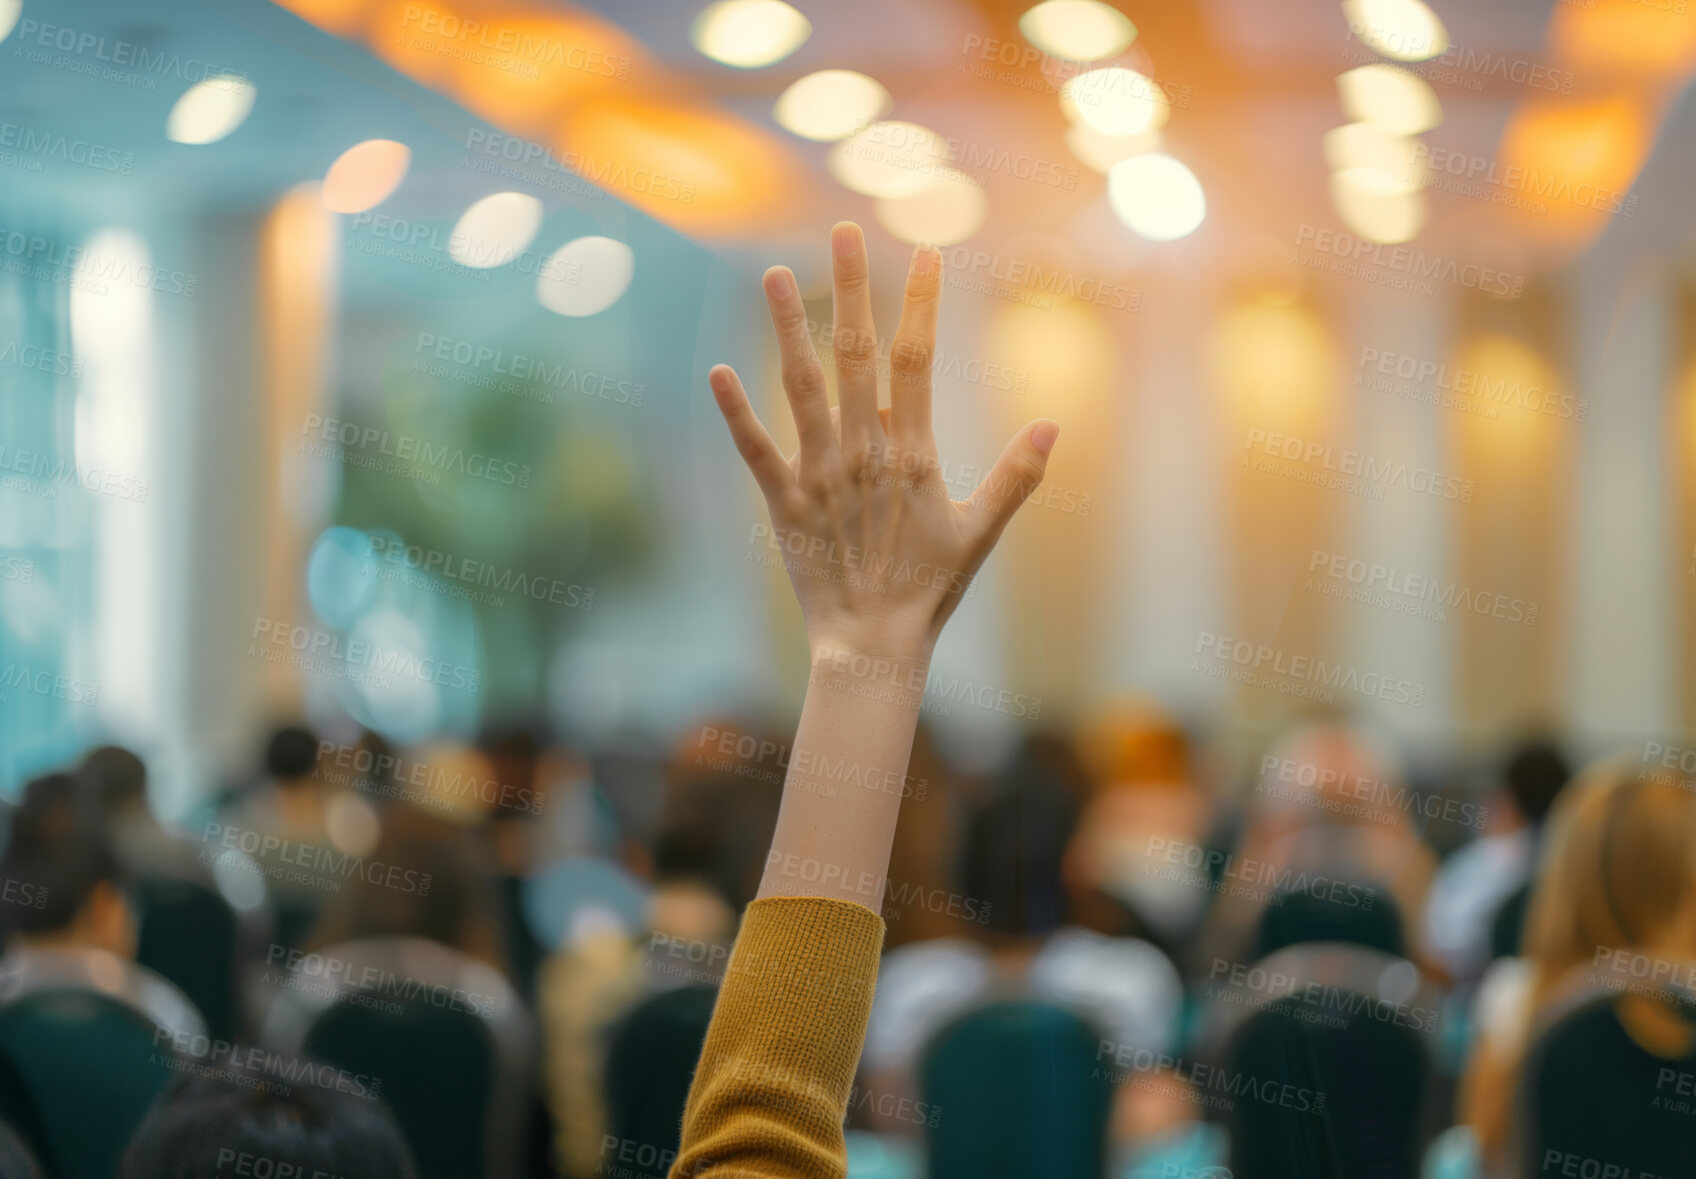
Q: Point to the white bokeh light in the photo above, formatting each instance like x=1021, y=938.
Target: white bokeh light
x=950, y=210
x=1156, y=196
x=210, y=110
x=495, y=230
x=585, y=276
x=749, y=34
x=831, y=104
x=1115, y=101
x=890, y=159
x=1082, y=30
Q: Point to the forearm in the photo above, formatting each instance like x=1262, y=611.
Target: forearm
x=772, y=1087
x=842, y=794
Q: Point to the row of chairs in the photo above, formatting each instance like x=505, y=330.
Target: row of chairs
x=88, y=1041
x=1333, y=1081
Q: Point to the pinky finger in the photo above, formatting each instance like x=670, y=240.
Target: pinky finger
x=755, y=446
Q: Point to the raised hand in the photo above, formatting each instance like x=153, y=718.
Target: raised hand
x=878, y=552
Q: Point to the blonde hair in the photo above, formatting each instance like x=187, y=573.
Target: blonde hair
x=1617, y=871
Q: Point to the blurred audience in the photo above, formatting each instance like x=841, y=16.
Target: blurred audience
x=1105, y=906
x=1617, y=878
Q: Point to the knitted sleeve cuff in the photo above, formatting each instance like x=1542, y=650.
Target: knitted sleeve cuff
x=776, y=1072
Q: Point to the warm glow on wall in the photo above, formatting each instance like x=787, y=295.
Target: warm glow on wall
x=1065, y=349
x=1504, y=373
x=1272, y=361
x=1685, y=410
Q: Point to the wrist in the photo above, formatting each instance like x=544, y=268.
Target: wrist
x=879, y=640
x=894, y=672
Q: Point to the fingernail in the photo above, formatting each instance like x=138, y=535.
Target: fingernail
x=845, y=240
x=1044, y=435
x=925, y=260
x=778, y=283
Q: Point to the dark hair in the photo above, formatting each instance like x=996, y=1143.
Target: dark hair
x=201, y=1128
x=115, y=775
x=1535, y=773
x=1016, y=841
x=1333, y=1092
x=59, y=852
x=291, y=753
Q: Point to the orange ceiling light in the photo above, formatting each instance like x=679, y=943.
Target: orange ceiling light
x=569, y=79
x=688, y=165
x=341, y=17
x=396, y=34
x=1625, y=39
x=545, y=64
x=517, y=67
x=1575, y=162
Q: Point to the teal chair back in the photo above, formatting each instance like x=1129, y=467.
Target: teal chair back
x=1013, y=1090
x=188, y=934
x=92, y=1068
x=436, y=1069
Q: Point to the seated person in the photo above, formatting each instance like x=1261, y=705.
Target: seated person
x=61, y=867
x=202, y=1128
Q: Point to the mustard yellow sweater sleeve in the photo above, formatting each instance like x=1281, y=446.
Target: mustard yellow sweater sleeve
x=778, y=1064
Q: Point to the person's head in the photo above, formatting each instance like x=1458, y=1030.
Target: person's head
x=1534, y=774
x=291, y=755
x=60, y=864
x=1618, y=868
x=117, y=778
x=1318, y=773
x=1016, y=841
x=202, y=1128
x=428, y=877
x=720, y=808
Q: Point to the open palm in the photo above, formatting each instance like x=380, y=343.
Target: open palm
x=878, y=552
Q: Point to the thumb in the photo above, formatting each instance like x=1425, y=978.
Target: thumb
x=1016, y=474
